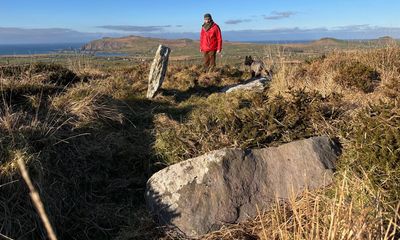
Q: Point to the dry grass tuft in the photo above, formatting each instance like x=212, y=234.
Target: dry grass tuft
x=321, y=73
x=87, y=106
x=347, y=210
x=40, y=73
x=357, y=76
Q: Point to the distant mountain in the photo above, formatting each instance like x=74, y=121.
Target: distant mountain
x=135, y=44
x=363, y=43
x=387, y=40
x=328, y=42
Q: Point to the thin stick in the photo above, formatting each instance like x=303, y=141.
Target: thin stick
x=5, y=237
x=5, y=184
x=36, y=199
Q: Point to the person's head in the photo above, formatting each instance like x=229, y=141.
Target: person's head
x=207, y=18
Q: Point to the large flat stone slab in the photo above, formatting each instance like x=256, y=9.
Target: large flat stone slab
x=202, y=194
x=258, y=84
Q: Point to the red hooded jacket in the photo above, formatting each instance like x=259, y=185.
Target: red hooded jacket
x=211, y=40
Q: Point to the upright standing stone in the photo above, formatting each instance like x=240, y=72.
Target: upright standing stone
x=158, y=70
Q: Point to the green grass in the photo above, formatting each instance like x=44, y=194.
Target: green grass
x=358, y=76
x=244, y=120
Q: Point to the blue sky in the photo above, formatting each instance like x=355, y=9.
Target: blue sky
x=23, y=21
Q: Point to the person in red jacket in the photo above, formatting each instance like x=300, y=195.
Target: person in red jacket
x=210, y=41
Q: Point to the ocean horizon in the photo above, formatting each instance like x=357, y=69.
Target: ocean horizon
x=54, y=48
x=39, y=48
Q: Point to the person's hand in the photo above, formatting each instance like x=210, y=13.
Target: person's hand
x=219, y=51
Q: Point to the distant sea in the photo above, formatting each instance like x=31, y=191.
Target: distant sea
x=28, y=49
x=280, y=41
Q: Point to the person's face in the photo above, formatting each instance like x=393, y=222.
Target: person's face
x=207, y=20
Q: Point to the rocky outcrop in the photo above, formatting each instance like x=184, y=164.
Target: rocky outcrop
x=225, y=186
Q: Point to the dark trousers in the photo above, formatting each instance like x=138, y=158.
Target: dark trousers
x=209, y=60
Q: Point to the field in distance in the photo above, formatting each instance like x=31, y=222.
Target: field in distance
x=143, y=47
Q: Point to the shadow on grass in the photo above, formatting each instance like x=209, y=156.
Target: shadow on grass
x=112, y=166
x=92, y=177
x=202, y=91
x=199, y=91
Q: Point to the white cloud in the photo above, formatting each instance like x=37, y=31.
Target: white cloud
x=279, y=15
x=237, y=21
